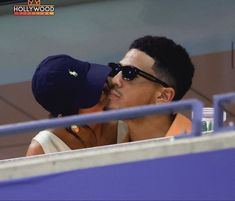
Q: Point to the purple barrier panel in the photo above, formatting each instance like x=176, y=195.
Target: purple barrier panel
x=133, y=112
x=218, y=102
x=201, y=176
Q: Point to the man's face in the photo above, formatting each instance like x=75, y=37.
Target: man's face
x=138, y=91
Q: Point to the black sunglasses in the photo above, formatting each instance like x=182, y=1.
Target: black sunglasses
x=131, y=72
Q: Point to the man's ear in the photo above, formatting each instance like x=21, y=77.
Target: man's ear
x=165, y=95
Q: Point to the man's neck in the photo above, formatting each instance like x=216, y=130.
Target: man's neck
x=149, y=127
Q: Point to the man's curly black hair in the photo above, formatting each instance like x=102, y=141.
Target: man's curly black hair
x=172, y=62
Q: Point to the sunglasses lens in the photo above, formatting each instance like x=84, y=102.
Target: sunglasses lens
x=115, y=69
x=128, y=73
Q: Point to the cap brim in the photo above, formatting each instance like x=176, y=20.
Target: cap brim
x=93, y=86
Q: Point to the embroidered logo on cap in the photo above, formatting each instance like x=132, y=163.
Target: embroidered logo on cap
x=73, y=73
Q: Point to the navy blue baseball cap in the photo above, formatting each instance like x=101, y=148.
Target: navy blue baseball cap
x=63, y=85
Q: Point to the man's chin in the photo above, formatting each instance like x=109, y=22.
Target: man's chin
x=106, y=108
x=111, y=106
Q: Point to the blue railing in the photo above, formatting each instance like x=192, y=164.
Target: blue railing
x=218, y=102
x=134, y=112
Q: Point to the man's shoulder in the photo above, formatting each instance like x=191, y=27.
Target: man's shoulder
x=181, y=124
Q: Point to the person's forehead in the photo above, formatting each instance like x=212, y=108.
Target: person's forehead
x=137, y=58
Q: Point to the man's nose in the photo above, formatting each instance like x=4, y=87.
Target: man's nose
x=117, y=80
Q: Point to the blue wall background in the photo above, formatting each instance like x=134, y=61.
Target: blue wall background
x=101, y=31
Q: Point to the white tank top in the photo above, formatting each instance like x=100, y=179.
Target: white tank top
x=122, y=131
x=50, y=142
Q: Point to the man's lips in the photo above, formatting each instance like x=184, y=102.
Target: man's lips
x=114, y=93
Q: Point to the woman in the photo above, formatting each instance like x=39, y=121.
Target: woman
x=66, y=86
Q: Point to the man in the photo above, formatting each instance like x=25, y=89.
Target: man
x=155, y=70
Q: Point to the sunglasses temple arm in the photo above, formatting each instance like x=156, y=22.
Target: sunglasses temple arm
x=152, y=78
